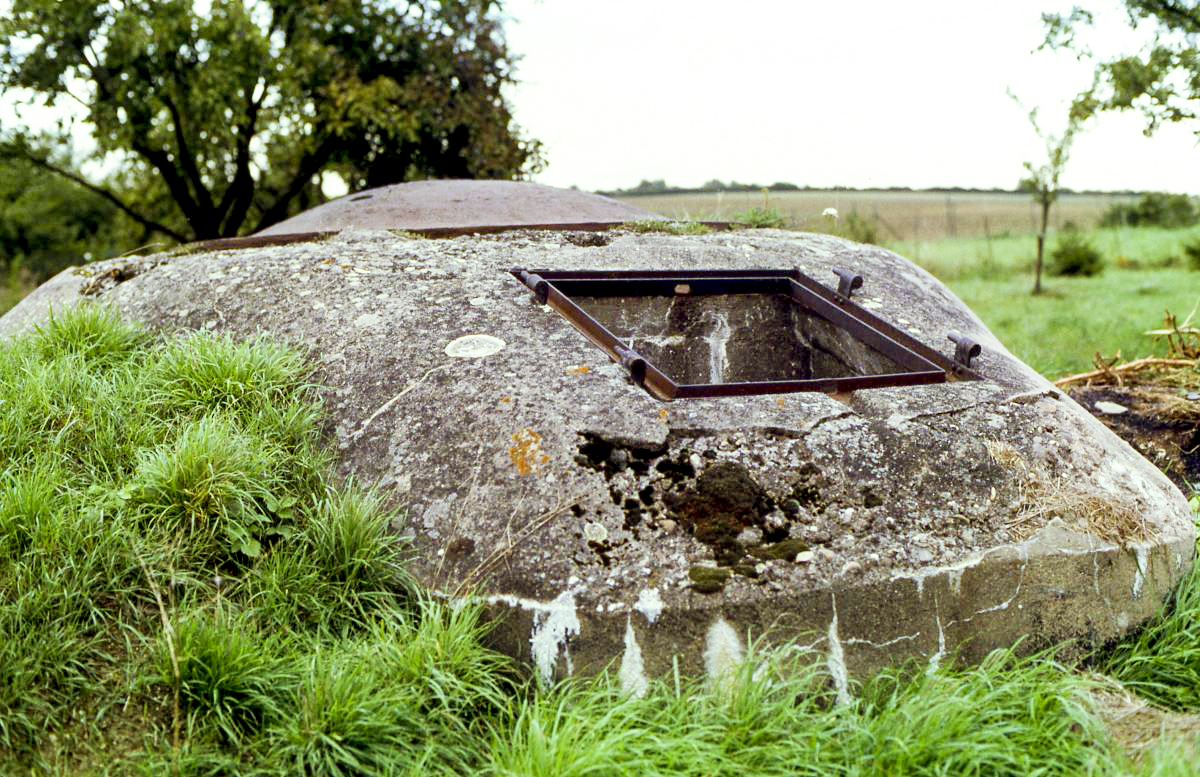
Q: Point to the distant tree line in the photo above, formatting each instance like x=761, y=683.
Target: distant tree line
x=659, y=186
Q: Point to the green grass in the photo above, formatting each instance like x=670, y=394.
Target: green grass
x=781, y=717
x=1061, y=330
x=1162, y=662
x=1001, y=257
x=172, y=542
x=653, y=226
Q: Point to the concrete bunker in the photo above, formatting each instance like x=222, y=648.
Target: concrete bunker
x=602, y=525
x=711, y=333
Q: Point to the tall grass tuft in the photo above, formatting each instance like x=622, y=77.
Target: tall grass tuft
x=230, y=675
x=204, y=372
x=93, y=332
x=346, y=718
x=28, y=500
x=1008, y=717
x=1162, y=662
x=202, y=490
x=153, y=494
x=341, y=572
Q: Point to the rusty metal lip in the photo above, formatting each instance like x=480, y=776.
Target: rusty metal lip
x=432, y=233
x=460, y=203
x=555, y=288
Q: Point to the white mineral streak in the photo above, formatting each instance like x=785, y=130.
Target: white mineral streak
x=649, y=604
x=633, y=669
x=1142, y=556
x=935, y=660
x=1004, y=605
x=554, y=623
x=722, y=654
x=956, y=581
x=553, y=626
x=664, y=341
x=474, y=346
x=836, y=661
x=717, y=339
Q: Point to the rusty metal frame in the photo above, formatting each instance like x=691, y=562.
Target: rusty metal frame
x=922, y=364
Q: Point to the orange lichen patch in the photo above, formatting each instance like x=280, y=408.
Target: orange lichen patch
x=663, y=415
x=526, y=453
x=782, y=402
x=506, y=400
x=582, y=369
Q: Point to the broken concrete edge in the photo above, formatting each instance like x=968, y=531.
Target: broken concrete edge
x=925, y=608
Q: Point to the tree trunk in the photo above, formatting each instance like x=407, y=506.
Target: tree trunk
x=1041, y=246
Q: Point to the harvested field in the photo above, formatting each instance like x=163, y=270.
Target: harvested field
x=900, y=215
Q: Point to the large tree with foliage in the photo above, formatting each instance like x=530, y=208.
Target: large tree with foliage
x=222, y=122
x=1162, y=81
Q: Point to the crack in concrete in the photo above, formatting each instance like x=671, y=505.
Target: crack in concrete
x=826, y=419
x=1024, y=398
x=362, y=429
x=1017, y=592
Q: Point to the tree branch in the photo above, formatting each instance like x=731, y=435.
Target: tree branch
x=176, y=185
x=309, y=166
x=1172, y=14
x=107, y=195
x=187, y=160
x=239, y=196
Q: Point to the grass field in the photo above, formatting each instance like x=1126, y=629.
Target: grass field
x=901, y=216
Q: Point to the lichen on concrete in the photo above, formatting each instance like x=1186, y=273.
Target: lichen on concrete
x=875, y=526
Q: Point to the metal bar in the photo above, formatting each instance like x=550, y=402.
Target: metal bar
x=668, y=286
x=646, y=374
x=924, y=365
x=837, y=315
x=825, y=385
x=965, y=349
x=889, y=329
x=624, y=275
x=847, y=282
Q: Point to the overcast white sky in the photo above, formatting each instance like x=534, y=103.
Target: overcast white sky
x=865, y=94
x=873, y=93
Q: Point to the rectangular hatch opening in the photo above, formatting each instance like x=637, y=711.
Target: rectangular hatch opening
x=715, y=333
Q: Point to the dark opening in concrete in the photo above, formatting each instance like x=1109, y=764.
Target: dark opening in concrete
x=735, y=338
x=719, y=333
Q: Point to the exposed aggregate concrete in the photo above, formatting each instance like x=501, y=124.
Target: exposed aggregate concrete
x=885, y=524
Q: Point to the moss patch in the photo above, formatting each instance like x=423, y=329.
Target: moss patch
x=709, y=580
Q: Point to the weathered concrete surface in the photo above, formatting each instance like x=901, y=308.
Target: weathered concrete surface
x=898, y=523
x=453, y=204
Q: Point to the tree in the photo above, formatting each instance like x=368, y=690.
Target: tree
x=223, y=122
x=1042, y=179
x=1162, y=82
x=47, y=223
